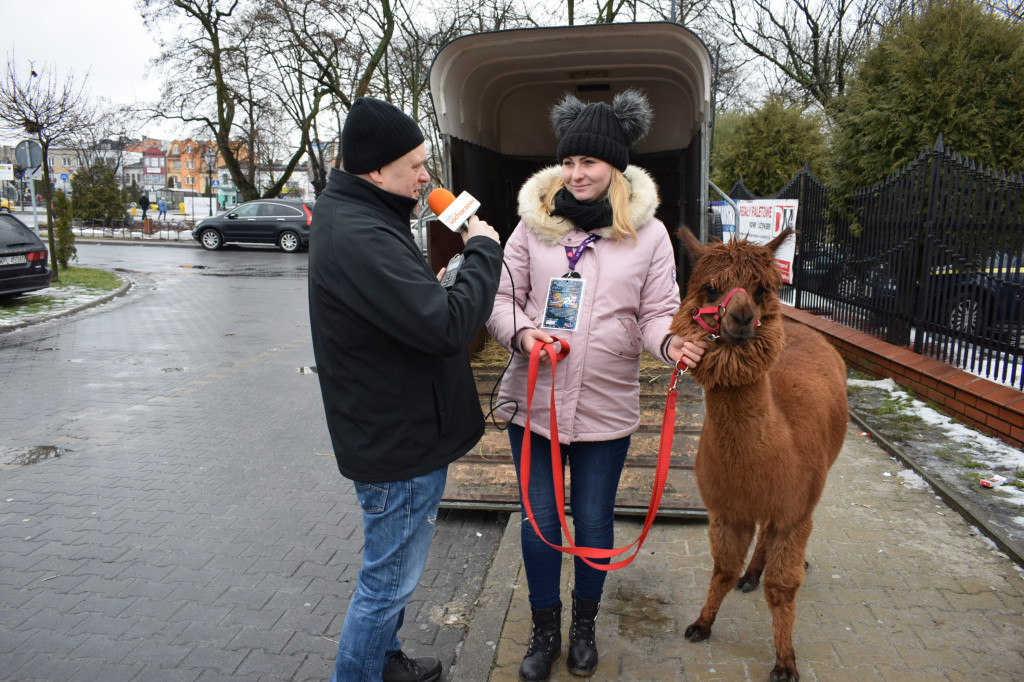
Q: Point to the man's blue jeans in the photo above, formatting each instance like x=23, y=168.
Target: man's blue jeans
x=595, y=468
x=398, y=525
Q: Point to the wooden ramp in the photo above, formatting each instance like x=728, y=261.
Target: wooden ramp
x=485, y=478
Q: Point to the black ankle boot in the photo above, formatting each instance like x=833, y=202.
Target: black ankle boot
x=582, y=637
x=545, y=645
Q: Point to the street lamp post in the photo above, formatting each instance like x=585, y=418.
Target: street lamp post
x=211, y=158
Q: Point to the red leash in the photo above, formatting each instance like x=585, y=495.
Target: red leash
x=660, y=475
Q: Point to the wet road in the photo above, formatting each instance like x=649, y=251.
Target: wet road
x=202, y=339
x=182, y=517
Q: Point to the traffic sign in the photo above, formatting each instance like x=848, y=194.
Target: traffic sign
x=215, y=183
x=6, y=171
x=29, y=153
x=65, y=177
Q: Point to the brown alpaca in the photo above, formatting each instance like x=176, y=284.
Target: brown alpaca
x=776, y=414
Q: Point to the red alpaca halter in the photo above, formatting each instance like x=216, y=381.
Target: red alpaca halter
x=717, y=311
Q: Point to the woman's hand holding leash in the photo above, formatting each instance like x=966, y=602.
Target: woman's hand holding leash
x=690, y=352
x=533, y=336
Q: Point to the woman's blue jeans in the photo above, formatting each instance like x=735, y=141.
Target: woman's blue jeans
x=398, y=525
x=594, y=471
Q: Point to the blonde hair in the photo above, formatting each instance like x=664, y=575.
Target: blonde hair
x=619, y=193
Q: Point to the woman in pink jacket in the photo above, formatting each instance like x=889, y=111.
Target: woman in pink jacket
x=589, y=263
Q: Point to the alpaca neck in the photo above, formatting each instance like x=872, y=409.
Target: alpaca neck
x=739, y=365
x=743, y=415
x=749, y=399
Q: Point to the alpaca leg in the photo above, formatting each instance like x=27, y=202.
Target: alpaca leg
x=784, y=573
x=750, y=580
x=729, y=545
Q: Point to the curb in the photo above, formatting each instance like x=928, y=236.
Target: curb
x=120, y=291
x=952, y=497
x=135, y=242
x=476, y=658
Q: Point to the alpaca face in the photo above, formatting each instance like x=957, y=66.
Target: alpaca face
x=734, y=319
x=733, y=289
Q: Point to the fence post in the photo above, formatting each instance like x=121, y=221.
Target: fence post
x=801, y=213
x=924, y=238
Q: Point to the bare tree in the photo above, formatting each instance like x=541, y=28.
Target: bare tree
x=222, y=86
x=609, y=10
x=1013, y=10
x=382, y=48
x=730, y=90
x=48, y=110
x=300, y=97
x=107, y=136
x=404, y=75
x=812, y=44
x=342, y=47
x=480, y=16
x=276, y=102
x=689, y=13
x=197, y=94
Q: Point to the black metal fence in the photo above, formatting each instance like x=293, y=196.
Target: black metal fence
x=931, y=259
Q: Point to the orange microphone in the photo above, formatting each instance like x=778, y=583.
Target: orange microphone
x=451, y=210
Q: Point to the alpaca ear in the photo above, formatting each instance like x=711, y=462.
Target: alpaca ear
x=691, y=244
x=774, y=244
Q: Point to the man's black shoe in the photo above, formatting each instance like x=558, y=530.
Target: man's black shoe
x=401, y=668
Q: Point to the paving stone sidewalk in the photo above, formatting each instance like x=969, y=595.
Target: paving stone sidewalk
x=162, y=569
x=900, y=588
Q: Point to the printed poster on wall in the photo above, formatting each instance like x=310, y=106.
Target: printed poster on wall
x=761, y=220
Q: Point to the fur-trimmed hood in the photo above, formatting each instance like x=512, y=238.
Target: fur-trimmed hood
x=643, y=202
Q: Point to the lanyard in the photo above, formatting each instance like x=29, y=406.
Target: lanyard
x=574, y=254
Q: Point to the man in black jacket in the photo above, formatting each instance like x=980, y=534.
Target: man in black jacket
x=399, y=395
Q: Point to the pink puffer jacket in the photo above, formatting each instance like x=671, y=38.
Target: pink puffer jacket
x=630, y=297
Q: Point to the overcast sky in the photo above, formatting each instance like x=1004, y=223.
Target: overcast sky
x=104, y=40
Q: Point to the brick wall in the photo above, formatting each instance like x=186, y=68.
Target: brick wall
x=982, y=404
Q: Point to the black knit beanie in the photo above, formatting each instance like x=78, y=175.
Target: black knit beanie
x=596, y=133
x=375, y=134
x=601, y=131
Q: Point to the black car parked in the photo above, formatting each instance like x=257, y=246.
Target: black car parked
x=22, y=258
x=968, y=299
x=284, y=222
x=826, y=271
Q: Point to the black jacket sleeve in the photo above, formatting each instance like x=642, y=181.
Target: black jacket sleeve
x=389, y=284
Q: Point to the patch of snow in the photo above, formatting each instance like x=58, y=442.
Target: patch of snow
x=61, y=299
x=911, y=479
x=1015, y=494
x=884, y=384
x=991, y=452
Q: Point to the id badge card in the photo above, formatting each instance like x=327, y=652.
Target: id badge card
x=564, y=302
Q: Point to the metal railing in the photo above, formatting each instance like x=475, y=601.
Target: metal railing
x=931, y=259
x=174, y=230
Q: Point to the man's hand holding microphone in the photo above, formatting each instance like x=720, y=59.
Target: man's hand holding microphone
x=476, y=227
x=459, y=215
